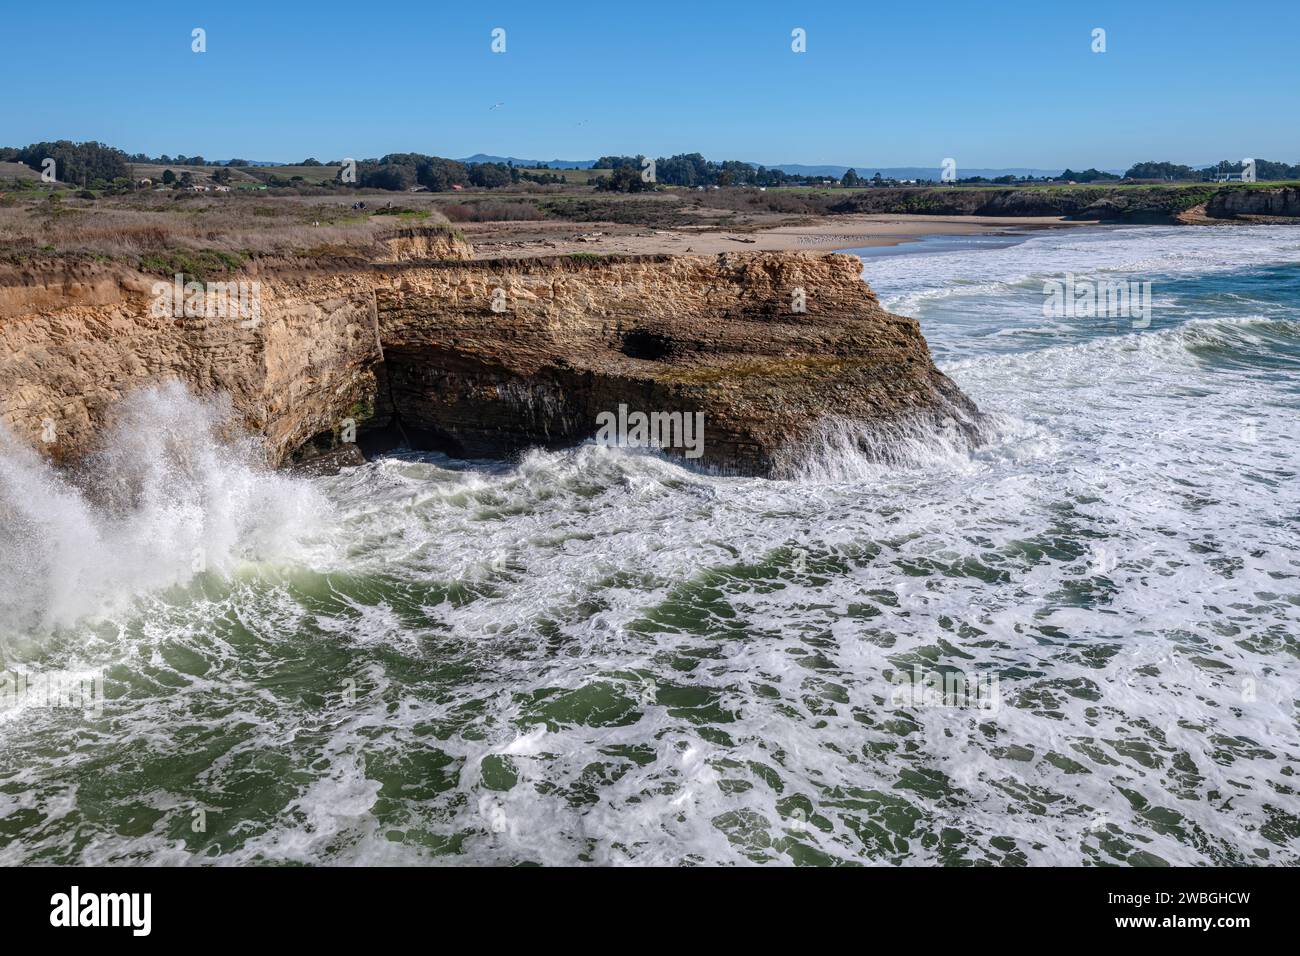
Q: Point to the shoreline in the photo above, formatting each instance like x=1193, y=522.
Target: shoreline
x=826, y=234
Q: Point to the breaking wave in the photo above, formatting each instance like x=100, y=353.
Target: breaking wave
x=168, y=494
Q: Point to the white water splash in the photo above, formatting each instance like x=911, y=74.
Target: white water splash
x=167, y=496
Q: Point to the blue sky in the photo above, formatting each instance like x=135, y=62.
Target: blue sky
x=883, y=84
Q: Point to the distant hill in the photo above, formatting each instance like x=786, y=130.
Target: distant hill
x=920, y=172
x=516, y=161
x=797, y=169
x=17, y=171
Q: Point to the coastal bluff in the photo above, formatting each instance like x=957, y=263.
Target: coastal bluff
x=482, y=358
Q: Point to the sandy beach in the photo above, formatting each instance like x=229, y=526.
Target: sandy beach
x=526, y=239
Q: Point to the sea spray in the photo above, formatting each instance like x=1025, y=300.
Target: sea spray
x=171, y=491
x=841, y=450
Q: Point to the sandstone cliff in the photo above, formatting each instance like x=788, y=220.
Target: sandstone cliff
x=484, y=358
x=1276, y=201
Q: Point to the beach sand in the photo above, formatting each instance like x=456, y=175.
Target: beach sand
x=527, y=239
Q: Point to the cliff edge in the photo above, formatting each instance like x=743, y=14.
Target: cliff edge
x=482, y=358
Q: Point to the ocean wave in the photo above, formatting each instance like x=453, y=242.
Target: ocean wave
x=1251, y=337
x=912, y=284
x=168, y=495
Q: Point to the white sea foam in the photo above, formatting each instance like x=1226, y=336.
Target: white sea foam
x=164, y=498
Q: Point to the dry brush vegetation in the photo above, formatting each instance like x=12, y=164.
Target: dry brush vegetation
x=154, y=232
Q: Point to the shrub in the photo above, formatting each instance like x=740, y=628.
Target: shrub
x=493, y=210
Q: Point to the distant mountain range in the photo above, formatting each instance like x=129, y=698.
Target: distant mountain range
x=251, y=162
x=516, y=161
x=798, y=169
x=923, y=172
x=831, y=171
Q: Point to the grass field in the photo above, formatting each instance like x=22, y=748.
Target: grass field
x=18, y=171
x=238, y=174
x=578, y=177
x=146, y=228
x=311, y=175
x=200, y=174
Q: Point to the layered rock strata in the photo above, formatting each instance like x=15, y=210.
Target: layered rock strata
x=484, y=358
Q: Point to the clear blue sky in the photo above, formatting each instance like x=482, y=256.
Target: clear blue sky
x=881, y=84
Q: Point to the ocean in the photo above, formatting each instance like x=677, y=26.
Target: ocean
x=1078, y=644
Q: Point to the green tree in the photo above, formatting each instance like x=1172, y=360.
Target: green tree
x=624, y=179
x=1155, y=170
x=77, y=162
x=615, y=162
x=489, y=175
x=439, y=175
x=393, y=176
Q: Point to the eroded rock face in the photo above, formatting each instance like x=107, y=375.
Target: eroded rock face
x=76, y=338
x=419, y=243
x=1278, y=201
x=487, y=358
x=719, y=335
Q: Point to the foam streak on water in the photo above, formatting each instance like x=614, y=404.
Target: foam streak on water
x=597, y=656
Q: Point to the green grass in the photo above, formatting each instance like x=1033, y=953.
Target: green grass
x=413, y=216
x=197, y=264
x=824, y=190
x=579, y=177
x=19, y=171
x=311, y=175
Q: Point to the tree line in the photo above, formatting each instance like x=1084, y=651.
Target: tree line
x=690, y=170
x=81, y=163
x=1266, y=170
x=96, y=163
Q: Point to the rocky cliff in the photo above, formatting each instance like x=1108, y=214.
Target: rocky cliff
x=1270, y=201
x=484, y=358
